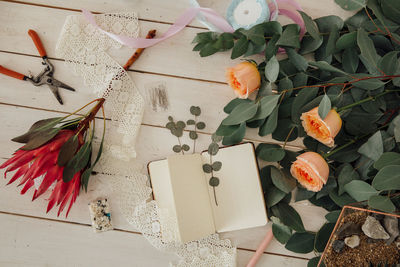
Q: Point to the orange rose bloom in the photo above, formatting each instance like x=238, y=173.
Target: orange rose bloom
x=244, y=78
x=311, y=170
x=322, y=130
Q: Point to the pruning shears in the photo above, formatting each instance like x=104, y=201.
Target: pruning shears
x=44, y=77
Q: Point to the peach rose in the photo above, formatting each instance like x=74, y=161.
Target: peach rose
x=311, y=170
x=244, y=78
x=322, y=130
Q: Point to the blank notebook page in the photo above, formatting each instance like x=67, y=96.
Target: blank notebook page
x=239, y=196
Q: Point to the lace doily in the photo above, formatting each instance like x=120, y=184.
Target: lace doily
x=84, y=49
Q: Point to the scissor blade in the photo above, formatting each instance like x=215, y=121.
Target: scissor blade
x=54, y=90
x=57, y=83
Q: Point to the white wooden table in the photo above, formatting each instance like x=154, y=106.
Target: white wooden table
x=29, y=236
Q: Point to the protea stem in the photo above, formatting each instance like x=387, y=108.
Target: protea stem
x=84, y=124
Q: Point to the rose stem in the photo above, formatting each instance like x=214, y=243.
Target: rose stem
x=139, y=51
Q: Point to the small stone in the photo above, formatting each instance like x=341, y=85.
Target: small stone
x=352, y=241
x=392, y=227
x=378, y=216
x=373, y=229
x=348, y=229
x=338, y=245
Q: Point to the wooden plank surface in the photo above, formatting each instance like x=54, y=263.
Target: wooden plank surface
x=33, y=238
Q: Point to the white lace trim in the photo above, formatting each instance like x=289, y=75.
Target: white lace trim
x=84, y=49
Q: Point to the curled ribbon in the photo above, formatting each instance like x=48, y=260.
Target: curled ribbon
x=284, y=7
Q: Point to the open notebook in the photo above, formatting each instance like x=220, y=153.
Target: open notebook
x=180, y=186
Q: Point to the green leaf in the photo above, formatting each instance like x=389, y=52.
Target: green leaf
x=267, y=105
x=201, y=125
x=391, y=9
x=360, y=190
x=322, y=237
x=213, y=149
x=290, y=37
x=309, y=45
x=190, y=122
x=301, y=243
x=193, y=135
x=368, y=84
x=373, y=148
x=314, y=262
x=40, y=138
x=85, y=178
x=214, y=181
x=297, y=60
x=185, y=147
x=226, y=130
x=285, y=131
x=236, y=137
x=177, y=148
x=234, y=103
x=302, y=98
x=82, y=157
x=37, y=127
x=303, y=194
x=208, y=49
x=272, y=69
x=388, y=178
x=323, y=65
x=281, y=232
x=282, y=181
x=382, y=203
x=311, y=27
x=270, y=124
x=289, y=216
x=195, y=110
x=270, y=152
x=351, y=4
x=256, y=34
x=387, y=158
x=207, y=168
x=67, y=150
x=389, y=63
x=350, y=60
x=216, y=166
x=273, y=195
x=241, y=113
x=341, y=200
x=367, y=47
x=333, y=216
x=346, y=175
x=324, y=107
x=346, y=41
x=271, y=49
x=240, y=47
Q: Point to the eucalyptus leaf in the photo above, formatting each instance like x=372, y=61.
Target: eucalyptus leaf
x=270, y=152
x=270, y=123
x=177, y=148
x=201, y=125
x=350, y=60
x=193, y=135
x=282, y=181
x=297, y=60
x=240, y=47
x=273, y=196
x=214, y=181
x=301, y=242
x=311, y=27
x=241, y=113
x=322, y=237
x=341, y=200
x=382, y=203
x=207, y=168
x=389, y=63
x=272, y=69
x=323, y=65
x=185, y=147
x=281, y=232
x=346, y=41
x=351, y=4
x=236, y=137
x=213, y=149
x=303, y=97
x=216, y=166
x=226, y=130
x=367, y=48
x=289, y=216
x=195, y=110
x=324, y=107
x=346, y=175
x=266, y=106
x=387, y=158
x=314, y=262
x=373, y=148
x=360, y=190
x=388, y=178
x=333, y=216
x=216, y=138
x=290, y=36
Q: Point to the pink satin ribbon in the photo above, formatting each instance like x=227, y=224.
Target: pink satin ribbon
x=285, y=7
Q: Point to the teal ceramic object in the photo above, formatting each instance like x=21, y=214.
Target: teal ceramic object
x=247, y=13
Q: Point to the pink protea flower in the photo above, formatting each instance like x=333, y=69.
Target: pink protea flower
x=60, y=155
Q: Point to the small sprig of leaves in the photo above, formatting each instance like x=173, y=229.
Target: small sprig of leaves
x=176, y=129
x=213, y=166
x=195, y=111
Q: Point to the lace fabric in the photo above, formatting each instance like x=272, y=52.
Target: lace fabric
x=84, y=49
